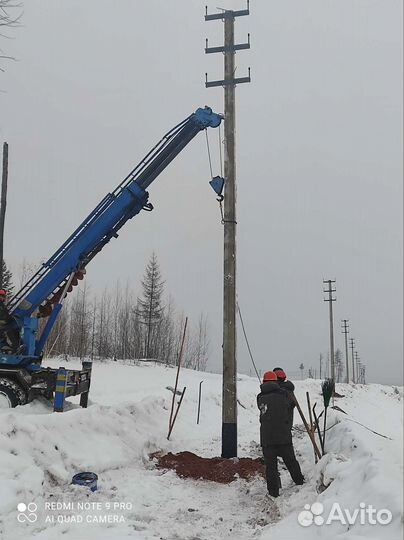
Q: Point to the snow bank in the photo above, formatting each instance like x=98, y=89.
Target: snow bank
x=127, y=419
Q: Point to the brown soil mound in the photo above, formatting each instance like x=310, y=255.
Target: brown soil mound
x=189, y=465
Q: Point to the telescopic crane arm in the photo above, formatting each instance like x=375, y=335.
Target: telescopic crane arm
x=43, y=294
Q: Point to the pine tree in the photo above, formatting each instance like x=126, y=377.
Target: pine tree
x=150, y=309
x=7, y=280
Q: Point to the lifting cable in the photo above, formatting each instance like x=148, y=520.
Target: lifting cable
x=246, y=340
x=221, y=173
x=209, y=157
x=211, y=168
x=220, y=152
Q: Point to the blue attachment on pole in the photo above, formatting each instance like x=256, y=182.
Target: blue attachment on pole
x=217, y=184
x=60, y=390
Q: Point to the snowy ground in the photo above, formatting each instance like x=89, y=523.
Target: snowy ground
x=127, y=419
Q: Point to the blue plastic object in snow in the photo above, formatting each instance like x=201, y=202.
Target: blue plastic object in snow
x=87, y=479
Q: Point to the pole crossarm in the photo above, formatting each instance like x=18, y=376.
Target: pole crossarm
x=230, y=48
x=228, y=82
x=226, y=13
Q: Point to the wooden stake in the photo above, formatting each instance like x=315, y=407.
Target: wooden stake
x=317, y=421
x=312, y=427
x=176, y=412
x=178, y=371
x=309, y=432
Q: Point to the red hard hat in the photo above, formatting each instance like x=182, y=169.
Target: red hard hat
x=270, y=376
x=280, y=374
x=3, y=292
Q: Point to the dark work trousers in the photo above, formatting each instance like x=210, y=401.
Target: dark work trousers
x=286, y=452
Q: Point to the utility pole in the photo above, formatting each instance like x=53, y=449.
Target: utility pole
x=3, y=205
x=345, y=329
x=361, y=366
x=229, y=418
x=330, y=299
x=357, y=366
x=352, y=342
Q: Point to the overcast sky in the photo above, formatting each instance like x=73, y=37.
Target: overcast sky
x=319, y=160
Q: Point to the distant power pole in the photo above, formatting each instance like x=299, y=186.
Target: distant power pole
x=3, y=205
x=330, y=299
x=352, y=343
x=345, y=329
x=229, y=419
x=357, y=366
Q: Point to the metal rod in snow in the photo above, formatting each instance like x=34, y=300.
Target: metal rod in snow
x=311, y=421
x=3, y=206
x=178, y=370
x=199, y=401
x=309, y=432
x=176, y=413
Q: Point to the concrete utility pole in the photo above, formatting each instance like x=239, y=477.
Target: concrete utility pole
x=352, y=343
x=357, y=367
x=330, y=299
x=345, y=330
x=363, y=374
x=3, y=205
x=229, y=419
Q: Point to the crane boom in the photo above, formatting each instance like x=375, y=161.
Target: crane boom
x=42, y=295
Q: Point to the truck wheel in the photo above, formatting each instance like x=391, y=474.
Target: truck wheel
x=11, y=394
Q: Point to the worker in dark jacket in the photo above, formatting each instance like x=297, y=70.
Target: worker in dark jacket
x=275, y=405
x=9, y=331
x=286, y=385
x=283, y=383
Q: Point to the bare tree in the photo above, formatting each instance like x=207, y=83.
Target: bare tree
x=124, y=323
x=122, y=326
x=58, y=339
x=199, y=345
x=339, y=365
x=103, y=331
x=10, y=15
x=80, y=323
x=168, y=334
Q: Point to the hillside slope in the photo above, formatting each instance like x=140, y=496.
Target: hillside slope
x=127, y=419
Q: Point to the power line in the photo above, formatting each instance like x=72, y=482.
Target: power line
x=246, y=340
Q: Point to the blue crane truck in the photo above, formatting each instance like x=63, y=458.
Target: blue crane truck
x=22, y=376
